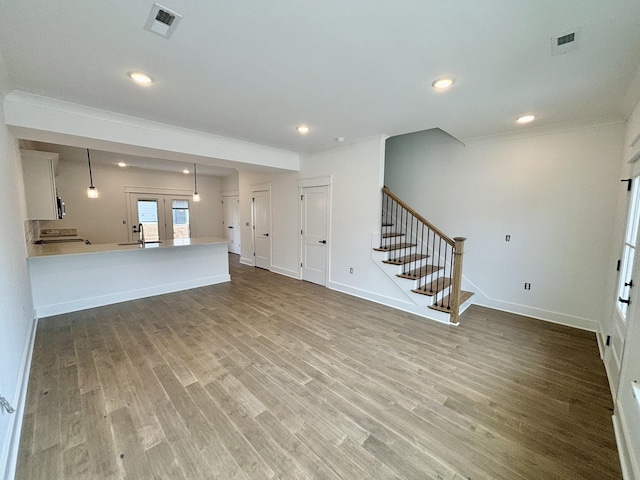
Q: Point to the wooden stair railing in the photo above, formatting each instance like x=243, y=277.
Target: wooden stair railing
x=411, y=240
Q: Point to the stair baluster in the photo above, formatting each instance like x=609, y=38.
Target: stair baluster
x=409, y=240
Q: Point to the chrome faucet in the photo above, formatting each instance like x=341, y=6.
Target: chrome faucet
x=141, y=233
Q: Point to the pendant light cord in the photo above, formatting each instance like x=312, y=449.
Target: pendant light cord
x=195, y=179
x=90, y=175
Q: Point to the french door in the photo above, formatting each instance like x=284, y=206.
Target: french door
x=628, y=282
x=163, y=216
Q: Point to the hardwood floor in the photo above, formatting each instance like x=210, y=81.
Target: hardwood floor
x=269, y=377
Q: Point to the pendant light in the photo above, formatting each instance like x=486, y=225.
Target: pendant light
x=196, y=195
x=92, y=192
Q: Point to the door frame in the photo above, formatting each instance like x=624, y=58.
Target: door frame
x=617, y=328
x=225, y=197
x=303, y=183
x=261, y=187
x=128, y=190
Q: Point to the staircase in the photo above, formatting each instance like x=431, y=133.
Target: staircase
x=428, y=261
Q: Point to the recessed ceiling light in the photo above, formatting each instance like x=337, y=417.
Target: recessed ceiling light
x=185, y=171
x=443, y=83
x=303, y=129
x=140, y=78
x=526, y=118
x=122, y=164
x=340, y=139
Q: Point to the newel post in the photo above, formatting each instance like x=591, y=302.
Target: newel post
x=456, y=280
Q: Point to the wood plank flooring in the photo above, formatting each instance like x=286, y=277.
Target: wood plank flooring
x=268, y=377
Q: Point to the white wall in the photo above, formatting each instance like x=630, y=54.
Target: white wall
x=101, y=220
x=284, y=220
x=230, y=184
x=16, y=306
x=356, y=195
x=554, y=194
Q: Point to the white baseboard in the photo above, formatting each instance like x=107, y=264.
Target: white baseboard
x=84, y=303
x=621, y=441
x=246, y=261
x=10, y=453
x=286, y=272
x=409, y=307
x=538, y=313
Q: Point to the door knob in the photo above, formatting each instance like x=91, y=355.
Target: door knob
x=266, y=234
x=322, y=241
x=229, y=227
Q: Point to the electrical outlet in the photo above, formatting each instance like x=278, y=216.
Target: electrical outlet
x=507, y=238
x=351, y=270
x=527, y=286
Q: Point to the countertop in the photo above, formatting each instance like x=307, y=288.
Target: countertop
x=80, y=248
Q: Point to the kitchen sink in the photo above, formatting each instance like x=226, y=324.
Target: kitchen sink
x=138, y=243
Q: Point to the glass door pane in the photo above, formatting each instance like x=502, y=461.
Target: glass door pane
x=180, y=218
x=148, y=217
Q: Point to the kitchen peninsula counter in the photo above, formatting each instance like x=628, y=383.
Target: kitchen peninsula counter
x=66, y=277
x=80, y=248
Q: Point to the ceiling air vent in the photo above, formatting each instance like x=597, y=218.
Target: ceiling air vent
x=162, y=21
x=565, y=42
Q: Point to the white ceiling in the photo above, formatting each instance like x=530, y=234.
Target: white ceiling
x=253, y=70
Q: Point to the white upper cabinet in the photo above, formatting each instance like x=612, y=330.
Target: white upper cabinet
x=40, y=184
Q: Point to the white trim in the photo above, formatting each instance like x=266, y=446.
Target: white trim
x=247, y=261
x=85, y=303
x=547, y=130
x=157, y=190
x=230, y=193
x=540, y=314
x=424, y=312
x=626, y=461
x=286, y=272
x=315, y=182
x=9, y=458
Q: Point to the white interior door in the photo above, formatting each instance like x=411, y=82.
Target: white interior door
x=314, y=233
x=261, y=216
x=231, y=221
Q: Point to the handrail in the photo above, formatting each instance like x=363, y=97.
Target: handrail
x=444, y=236
x=411, y=242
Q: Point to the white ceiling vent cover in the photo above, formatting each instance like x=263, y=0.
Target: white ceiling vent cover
x=162, y=21
x=566, y=42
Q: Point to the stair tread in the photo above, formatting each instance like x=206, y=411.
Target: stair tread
x=397, y=246
x=392, y=234
x=464, y=296
x=406, y=259
x=420, y=272
x=437, y=285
